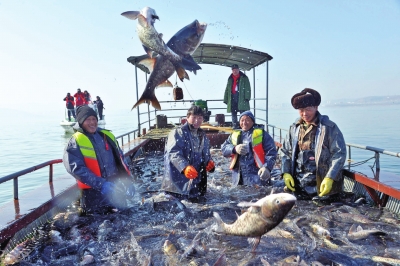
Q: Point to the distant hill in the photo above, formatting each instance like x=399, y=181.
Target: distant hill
x=375, y=100
x=393, y=99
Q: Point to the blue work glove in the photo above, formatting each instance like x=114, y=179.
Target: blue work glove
x=130, y=191
x=107, y=188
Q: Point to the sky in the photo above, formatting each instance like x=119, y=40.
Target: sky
x=343, y=49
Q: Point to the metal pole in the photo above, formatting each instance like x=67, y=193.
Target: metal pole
x=16, y=188
x=266, y=104
x=148, y=107
x=51, y=173
x=254, y=91
x=137, y=99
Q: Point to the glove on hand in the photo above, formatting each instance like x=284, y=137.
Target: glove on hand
x=326, y=186
x=264, y=173
x=107, y=188
x=130, y=191
x=210, y=166
x=190, y=172
x=289, y=181
x=241, y=149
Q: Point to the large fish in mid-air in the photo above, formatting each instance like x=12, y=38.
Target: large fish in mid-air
x=148, y=35
x=184, y=43
x=261, y=217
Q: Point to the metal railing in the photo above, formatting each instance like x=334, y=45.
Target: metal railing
x=15, y=176
x=128, y=134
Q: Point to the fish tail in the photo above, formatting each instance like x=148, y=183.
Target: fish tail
x=146, y=98
x=219, y=226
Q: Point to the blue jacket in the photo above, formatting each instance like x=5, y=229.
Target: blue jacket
x=111, y=165
x=179, y=153
x=247, y=165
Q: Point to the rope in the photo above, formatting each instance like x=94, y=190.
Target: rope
x=362, y=162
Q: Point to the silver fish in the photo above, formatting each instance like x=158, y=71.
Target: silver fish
x=184, y=43
x=261, y=217
x=357, y=232
x=148, y=35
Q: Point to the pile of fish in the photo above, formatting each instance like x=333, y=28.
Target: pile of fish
x=170, y=57
x=158, y=229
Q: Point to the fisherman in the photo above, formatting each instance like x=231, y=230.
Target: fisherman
x=237, y=94
x=70, y=104
x=79, y=98
x=313, y=152
x=253, y=152
x=100, y=106
x=187, y=159
x=94, y=158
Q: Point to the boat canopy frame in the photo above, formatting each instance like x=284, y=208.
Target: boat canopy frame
x=221, y=55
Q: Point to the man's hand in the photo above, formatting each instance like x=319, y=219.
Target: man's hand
x=190, y=172
x=241, y=149
x=289, y=181
x=264, y=173
x=326, y=186
x=210, y=166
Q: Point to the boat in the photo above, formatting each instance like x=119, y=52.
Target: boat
x=68, y=126
x=26, y=213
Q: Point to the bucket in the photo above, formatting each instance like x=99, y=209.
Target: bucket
x=178, y=94
x=220, y=119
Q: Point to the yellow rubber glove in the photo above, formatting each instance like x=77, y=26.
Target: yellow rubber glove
x=326, y=186
x=289, y=181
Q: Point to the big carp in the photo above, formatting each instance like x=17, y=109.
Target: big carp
x=183, y=43
x=261, y=217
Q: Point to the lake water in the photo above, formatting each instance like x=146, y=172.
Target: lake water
x=29, y=140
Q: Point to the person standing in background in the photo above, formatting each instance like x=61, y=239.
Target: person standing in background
x=70, y=104
x=88, y=98
x=79, y=98
x=100, y=107
x=237, y=94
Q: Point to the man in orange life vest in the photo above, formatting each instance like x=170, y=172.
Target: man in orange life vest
x=94, y=158
x=253, y=153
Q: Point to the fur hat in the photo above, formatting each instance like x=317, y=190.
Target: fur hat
x=83, y=112
x=305, y=98
x=249, y=114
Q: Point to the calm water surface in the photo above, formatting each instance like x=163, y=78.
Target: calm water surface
x=28, y=140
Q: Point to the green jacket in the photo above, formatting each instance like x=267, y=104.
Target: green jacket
x=244, y=93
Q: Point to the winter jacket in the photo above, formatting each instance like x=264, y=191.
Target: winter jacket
x=179, y=153
x=244, y=91
x=112, y=162
x=247, y=166
x=69, y=102
x=79, y=99
x=330, y=152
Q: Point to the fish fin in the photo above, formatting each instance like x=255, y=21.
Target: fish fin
x=148, y=51
x=254, y=241
x=149, y=63
x=188, y=63
x=131, y=14
x=146, y=98
x=359, y=228
x=164, y=84
x=143, y=21
x=182, y=74
x=353, y=229
x=218, y=227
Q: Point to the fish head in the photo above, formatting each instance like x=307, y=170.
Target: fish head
x=276, y=206
x=149, y=14
x=186, y=41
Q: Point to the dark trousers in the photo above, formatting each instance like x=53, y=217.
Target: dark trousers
x=234, y=110
x=71, y=112
x=100, y=113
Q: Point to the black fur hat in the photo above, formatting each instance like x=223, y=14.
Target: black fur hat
x=305, y=98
